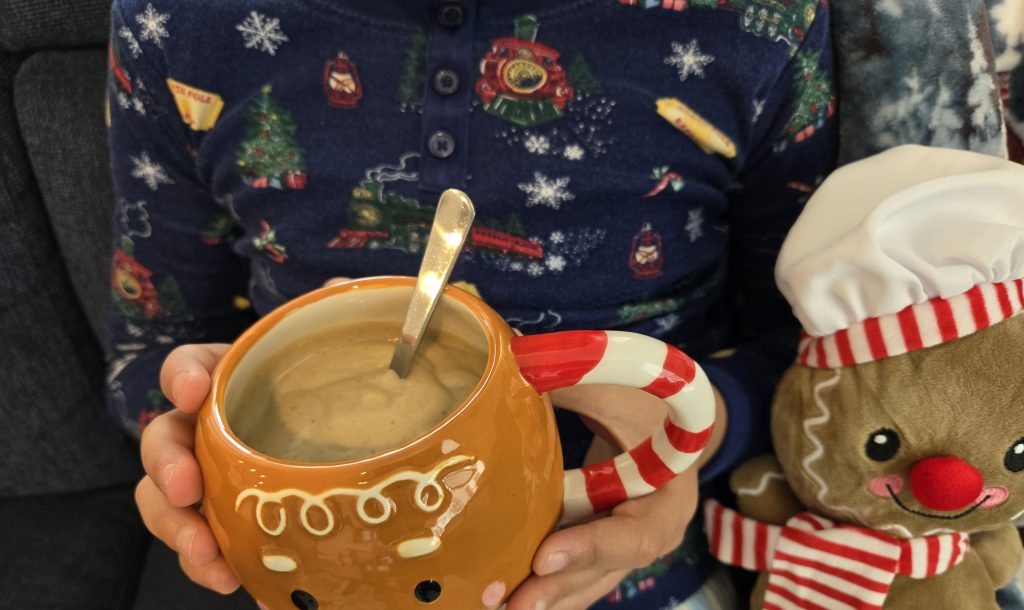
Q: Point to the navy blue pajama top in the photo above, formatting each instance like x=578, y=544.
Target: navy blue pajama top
x=635, y=164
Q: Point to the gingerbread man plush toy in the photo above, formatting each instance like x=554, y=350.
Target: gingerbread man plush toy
x=899, y=432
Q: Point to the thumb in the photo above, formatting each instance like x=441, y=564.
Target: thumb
x=334, y=281
x=185, y=374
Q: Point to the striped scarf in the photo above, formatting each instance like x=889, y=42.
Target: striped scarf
x=818, y=564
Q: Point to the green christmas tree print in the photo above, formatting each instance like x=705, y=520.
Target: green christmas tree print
x=581, y=77
x=271, y=155
x=815, y=99
x=411, y=82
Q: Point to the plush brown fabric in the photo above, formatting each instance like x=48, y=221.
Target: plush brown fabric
x=961, y=399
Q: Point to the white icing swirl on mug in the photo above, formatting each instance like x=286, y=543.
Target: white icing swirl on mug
x=424, y=481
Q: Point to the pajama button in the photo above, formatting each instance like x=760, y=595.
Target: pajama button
x=441, y=144
x=446, y=82
x=451, y=15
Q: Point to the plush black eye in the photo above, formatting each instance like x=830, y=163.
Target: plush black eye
x=304, y=601
x=882, y=445
x=427, y=591
x=1014, y=460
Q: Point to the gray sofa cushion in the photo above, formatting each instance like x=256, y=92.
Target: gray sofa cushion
x=59, y=100
x=27, y=25
x=76, y=551
x=57, y=436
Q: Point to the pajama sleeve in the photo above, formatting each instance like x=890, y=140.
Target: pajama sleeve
x=174, y=276
x=794, y=151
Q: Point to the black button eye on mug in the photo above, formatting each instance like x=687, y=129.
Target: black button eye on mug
x=441, y=144
x=446, y=82
x=304, y=601
x=451, y=14
x=427, y=591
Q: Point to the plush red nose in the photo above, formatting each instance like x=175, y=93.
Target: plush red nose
x=945, y=483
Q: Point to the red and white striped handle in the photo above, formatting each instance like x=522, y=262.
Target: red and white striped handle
x=565, y=359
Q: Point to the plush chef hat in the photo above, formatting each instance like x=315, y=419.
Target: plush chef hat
x=905, y=250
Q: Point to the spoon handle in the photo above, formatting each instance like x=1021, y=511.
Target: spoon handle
x=452, y=223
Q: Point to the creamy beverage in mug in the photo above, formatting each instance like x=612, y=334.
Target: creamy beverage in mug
x=332, y=396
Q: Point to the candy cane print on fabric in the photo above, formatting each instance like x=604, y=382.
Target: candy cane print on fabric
x=565, y=359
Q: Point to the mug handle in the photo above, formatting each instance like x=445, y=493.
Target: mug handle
x=565, y=359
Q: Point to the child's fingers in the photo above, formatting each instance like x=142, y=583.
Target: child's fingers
x=638, y=532
x=568, y=591
x=167, y=456
x=185, y=374
x=182, y=529
x=336, y=280
x=216, y=575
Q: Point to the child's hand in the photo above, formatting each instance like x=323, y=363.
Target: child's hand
x=579, y=565
x=594, y=557
x=173, y=484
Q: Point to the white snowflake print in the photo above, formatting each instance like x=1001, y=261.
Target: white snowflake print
x=516, y=265
x=758, y=110
x=122, y=100
x=154, y=25
x=555, y=263
x=547, y=192
x=138, y=106
x=537, y=145
x=149, y=171
x=556, y=237
x=695, y=224
x=583, y=131
x=262, y=33
x=573, y=152
x=689, y=60
x=535, y=269
x=133, y=44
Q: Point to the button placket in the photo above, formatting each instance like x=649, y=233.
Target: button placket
x=446, y=104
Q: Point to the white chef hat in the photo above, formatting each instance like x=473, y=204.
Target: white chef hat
x=903, y=251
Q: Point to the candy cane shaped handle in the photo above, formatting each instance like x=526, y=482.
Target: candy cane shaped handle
x=565, y=359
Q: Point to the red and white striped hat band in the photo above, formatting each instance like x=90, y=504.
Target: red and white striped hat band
x=916, y=327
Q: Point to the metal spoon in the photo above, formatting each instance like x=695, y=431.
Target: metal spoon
x=452, y=223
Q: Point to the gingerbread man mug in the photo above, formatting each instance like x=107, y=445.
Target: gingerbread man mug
x=462, y=508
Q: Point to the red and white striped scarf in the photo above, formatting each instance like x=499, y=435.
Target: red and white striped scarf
x=818, y=564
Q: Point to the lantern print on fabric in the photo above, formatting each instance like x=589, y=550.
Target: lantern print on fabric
x=270, y=156
x=341, y=82
x=521, y=80
x=645, y=256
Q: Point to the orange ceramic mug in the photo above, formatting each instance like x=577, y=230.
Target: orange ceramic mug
x=461, y=509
